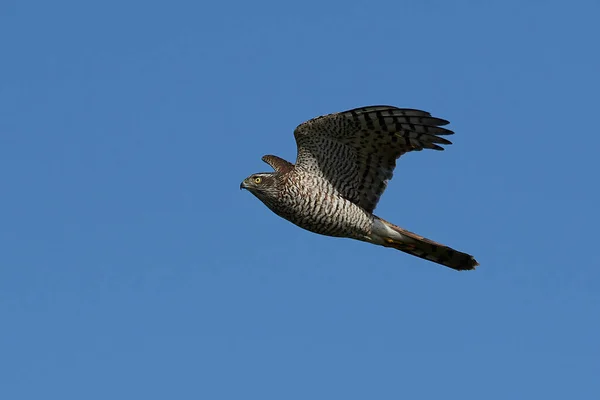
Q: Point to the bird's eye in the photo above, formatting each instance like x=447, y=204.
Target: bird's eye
x=257, y=179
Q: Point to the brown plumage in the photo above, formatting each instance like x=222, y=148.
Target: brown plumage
x=344, y=163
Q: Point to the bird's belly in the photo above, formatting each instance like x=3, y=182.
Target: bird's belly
x=330, y=215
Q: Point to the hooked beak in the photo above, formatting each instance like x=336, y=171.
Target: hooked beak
x=243, y=185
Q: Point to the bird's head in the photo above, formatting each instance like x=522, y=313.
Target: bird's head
x=267, y=185
x=263, y=185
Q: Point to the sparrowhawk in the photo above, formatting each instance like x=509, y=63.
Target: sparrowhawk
x=344, y=162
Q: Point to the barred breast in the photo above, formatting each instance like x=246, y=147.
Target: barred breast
x=312, y=203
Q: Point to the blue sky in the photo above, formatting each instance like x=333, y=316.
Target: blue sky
x=133, y=267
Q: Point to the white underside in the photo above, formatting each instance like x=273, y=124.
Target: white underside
x=381, y=233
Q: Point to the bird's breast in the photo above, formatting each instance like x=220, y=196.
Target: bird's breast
x=316, y=206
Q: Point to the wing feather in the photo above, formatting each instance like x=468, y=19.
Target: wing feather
x=356, y=150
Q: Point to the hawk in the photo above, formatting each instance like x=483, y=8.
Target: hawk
x=344, y=163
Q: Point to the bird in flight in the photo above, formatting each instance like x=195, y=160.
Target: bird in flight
x=344, y=163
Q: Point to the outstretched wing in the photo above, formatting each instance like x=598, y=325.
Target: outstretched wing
x=356, y=150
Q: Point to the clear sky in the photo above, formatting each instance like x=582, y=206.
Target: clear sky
x=133, y=267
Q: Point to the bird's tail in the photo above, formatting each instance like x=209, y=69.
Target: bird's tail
x=390, y=235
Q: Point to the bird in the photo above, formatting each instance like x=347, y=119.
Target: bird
x=343, y=165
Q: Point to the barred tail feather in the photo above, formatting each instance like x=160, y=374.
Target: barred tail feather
x=419, y=246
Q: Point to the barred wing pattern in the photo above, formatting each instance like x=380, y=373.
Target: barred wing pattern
x=356, y=150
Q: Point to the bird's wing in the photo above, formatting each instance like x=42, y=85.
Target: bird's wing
x=356, y=150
